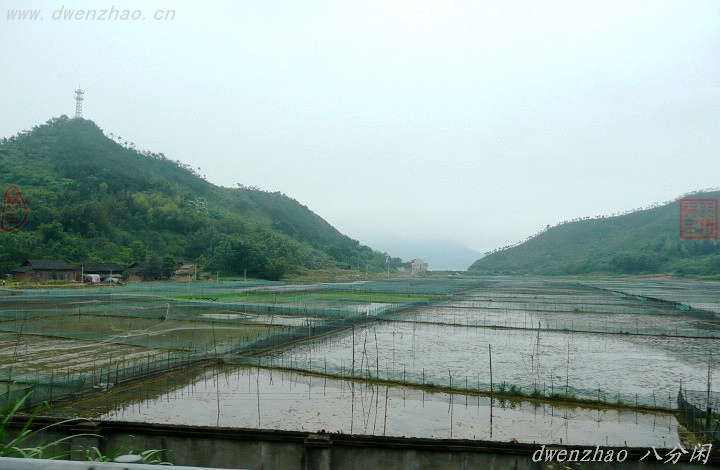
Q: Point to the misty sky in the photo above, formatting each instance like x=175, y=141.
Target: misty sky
x=474, y=122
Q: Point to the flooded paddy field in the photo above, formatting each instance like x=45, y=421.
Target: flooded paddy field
x=536, y=338
x=77, y=339
x=476, y=358
x=43, y=331
x=615, y=368
x=246, y=397
x=699, y=294
x=31, y=355
x=148, y=332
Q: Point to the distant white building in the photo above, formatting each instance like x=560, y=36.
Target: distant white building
x=418, y=266
x=415, y=266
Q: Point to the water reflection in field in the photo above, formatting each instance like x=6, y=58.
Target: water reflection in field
x=603, y=358
x=246, y=397
x=544, y=338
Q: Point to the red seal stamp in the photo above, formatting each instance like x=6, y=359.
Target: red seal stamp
x=698, y=218
x=14, y=210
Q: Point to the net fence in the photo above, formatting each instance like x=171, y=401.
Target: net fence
x=61, y=342
x=73, y=341
x=697, y=411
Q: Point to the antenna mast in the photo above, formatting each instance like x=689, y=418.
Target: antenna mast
x=78, y=102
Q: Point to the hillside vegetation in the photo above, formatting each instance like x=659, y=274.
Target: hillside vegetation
x=95, y=198
x=640, y=242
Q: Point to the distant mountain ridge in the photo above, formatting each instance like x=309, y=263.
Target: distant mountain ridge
x=639, y=242
x=91, y=198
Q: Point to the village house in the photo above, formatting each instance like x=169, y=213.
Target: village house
x=43, y=270
x=185, y=273
x=137, y=271
x=34, y=270
x=108, y=272
x=416, y=266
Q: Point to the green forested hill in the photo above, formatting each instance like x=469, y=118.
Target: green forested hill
x=640, y=242
x=92, y=198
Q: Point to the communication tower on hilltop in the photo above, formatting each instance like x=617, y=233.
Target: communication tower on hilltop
x=78, y=102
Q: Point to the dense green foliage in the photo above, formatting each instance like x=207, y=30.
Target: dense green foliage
x=640, y=242
x=93, y=198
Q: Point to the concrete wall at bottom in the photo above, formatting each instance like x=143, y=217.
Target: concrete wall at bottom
x=231, y=448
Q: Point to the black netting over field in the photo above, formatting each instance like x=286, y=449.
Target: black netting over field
x=628, y=343
x=699, y=413
x=62, y=341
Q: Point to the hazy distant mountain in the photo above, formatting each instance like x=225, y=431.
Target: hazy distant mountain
x=439, y=254
x=91, y=197
x=640, y=242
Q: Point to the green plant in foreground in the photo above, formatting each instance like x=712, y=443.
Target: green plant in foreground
x=18, y=446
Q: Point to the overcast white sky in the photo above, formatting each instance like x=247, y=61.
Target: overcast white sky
x=475, y=122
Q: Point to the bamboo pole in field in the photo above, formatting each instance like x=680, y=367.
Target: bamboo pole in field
x=491, y=372
x=353, y=350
